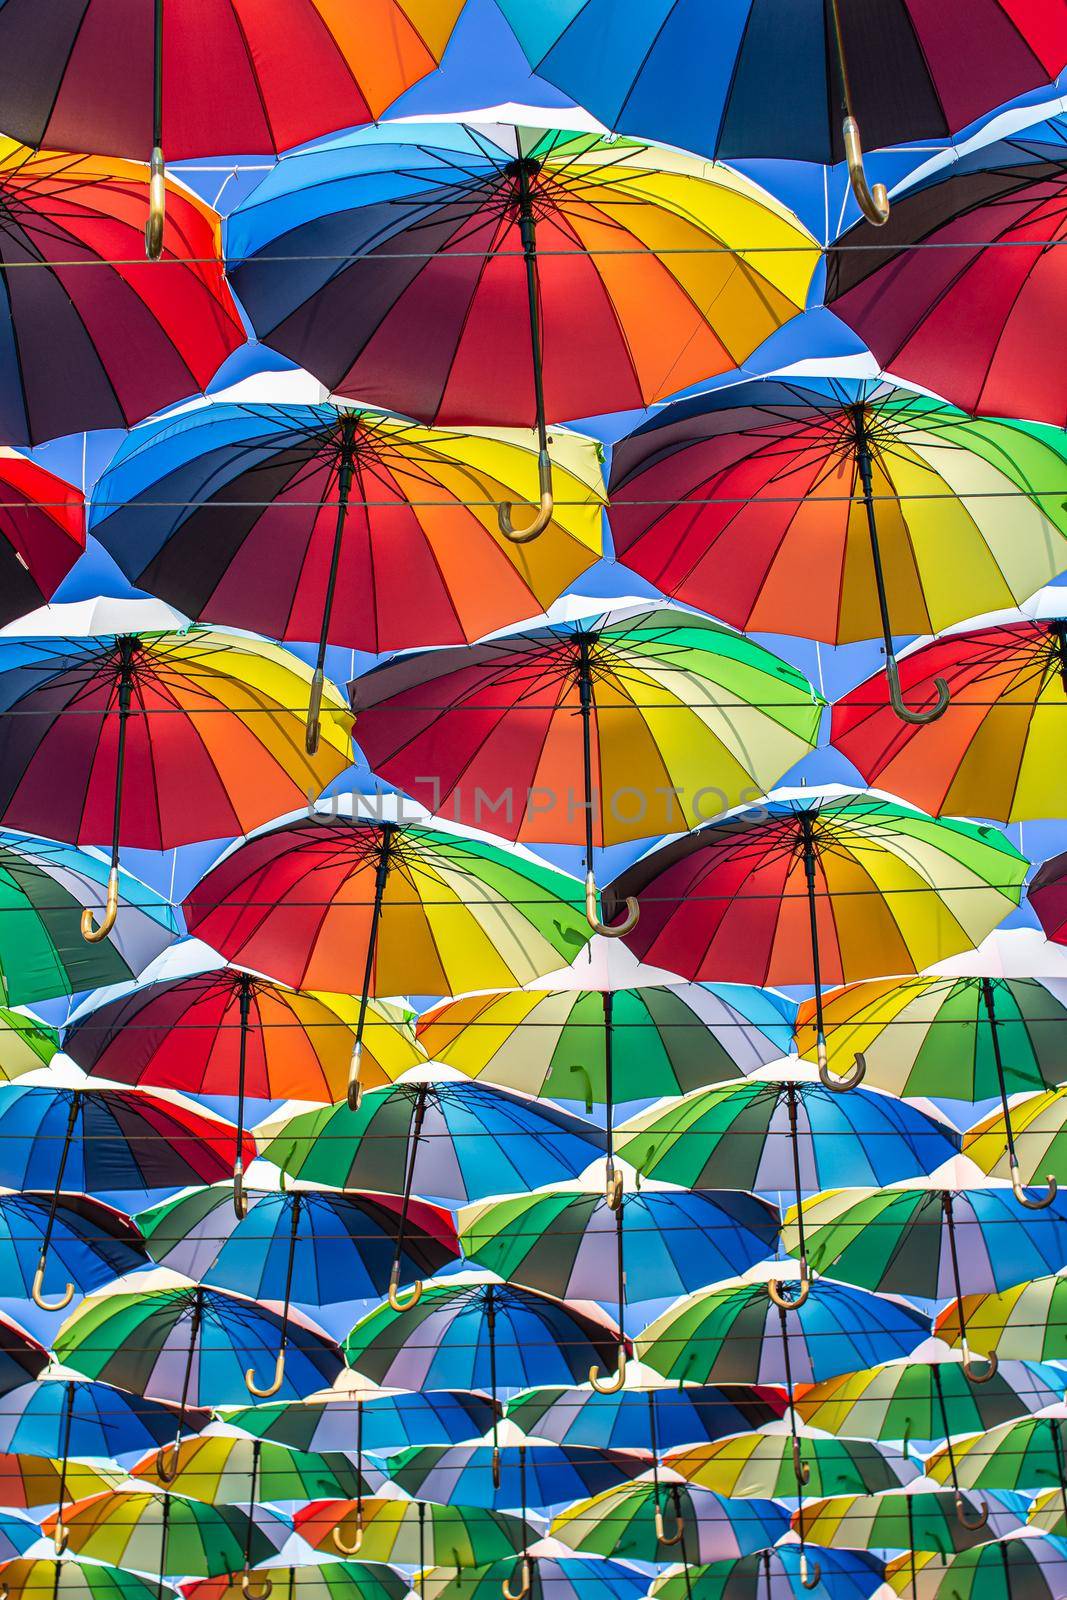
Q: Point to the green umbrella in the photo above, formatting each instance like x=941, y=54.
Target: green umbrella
x=26, y=1579
x=1026, y=1454
x=903, y=1519
x=764, y=1463
x=168, y=1533
x=334, y=1580
x=631, y=1522
x=217, y=1468
x=413, y=1533
x=1004, y=1569
x=25, y=1043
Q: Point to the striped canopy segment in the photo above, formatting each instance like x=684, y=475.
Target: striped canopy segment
x=1004, y=1569
x=389, y=1421
x=621, y=1523
x=553, y=1576
x=413, y=1534
x=334, y=1580
x=777, y=1573
x=42, y=533
x=919, y=1519
x=126, y=1525
x=29, y=1579
x=535, y=1475
x=750, y=1464
x=1024, y=1323
x=218, y=1470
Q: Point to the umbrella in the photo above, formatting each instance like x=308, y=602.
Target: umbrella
x=551, y=1571
x=233, y=85
x=910, y=1399
x=62, y=1414
x=559, y=717
x=419, y=909
x=104, y=346
x=26, y=1043
x=28, y=1579
x=762, y=1463
x=21, y=1357
x=167, y=1532
x=29, y=1482
x=531, y=1473
x=218, y=1469
x=383, y=1421
x=627, y=1523
x=1026, y=1454
x=89, y=1240
x=227, y=1030
x=956, y=316
x=315, y=1245
x=758, y=81
x=460, y=274
x=774, y=1575
x=1019, y=1142
x=180, y=734
x=45, y=890
x=332, y=502
x=1004, y=1569
x=334, y=1580
x=644, y=1415
x=1023, y=1323
x=902, y=1519
x=17, y=1535
x=191, y=1343
x=110, y=1139
x=916, y=515
x=1046, y=895
x=820, y=886
x=413, y=1534
x=1047, y=1512
x=42, y=533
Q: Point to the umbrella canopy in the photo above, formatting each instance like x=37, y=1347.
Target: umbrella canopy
x=89, y=1241
x=382, y=1422
x=458, y=278
x=627, y=1522
x=1024, y=1323
x=1047, y=1512
x=274, y=491
x=915, y=514
x=334, y=1580
x=959, y=317
x=102, y=348
x=414, y=1534
x=42, y=533
x=218, y=1469
x=553, y=1039
x=779, y=1574
x=29, y=1579
x=913, y=1399
x=1026, y=1454
x=525, y=1474
x=763, y=1464
x=26, y=1043
x=45, y=890
x=1004, y=1569
x=318, y=1246
x=735, y=1333
x=1048, y=896
x=553, y=1576
x=34, y=1481
x=21, y=1358
x=93, y=1420
x=903, y=1519
x=1038, y=1144
x=645, y=1415
x=192, y=1344
x=169, y=1533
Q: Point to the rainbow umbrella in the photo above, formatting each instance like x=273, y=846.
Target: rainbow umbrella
x=180, y=734
x=525, y=1474
x=29, y=1482
x=819, y=886
x=334, y=1580
x=104, y=346
x=1026, y=1454
x=45, y=890
x=916, y=514
x=976, y=324
x=64, y=1415
x=911, y=1518
x=646, y=1414
x=411, y=1533
x=1046, y=895
x=28, y=1579
x=416, y=908
x=914, y=1399
x=169, y=1533
x=1022, y=1142
x=217, y=1469
x=629, y=1524
x=461, y=274
x=329, y=500
x=1004, y=1569
x=552, y=1572
x=111, y=1139
x=746, y=1464
x=548, y=726
x=42, y=533
x=381, y=1421
x=778, y=1574
x=26, y=1043
x=1023, y=1323
x=90, y=1241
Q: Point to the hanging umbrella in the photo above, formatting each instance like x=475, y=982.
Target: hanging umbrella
x=45, y=890
x=994, y=755
x=1026, y=1454
x=332, y=501
x=1047, y=896
x=102, y=347
x=1024, y=1323
x=411, y=906
x=90, y=1241
x=26, y=1043
x=1023, y=1142
x=627, y=1523
x=17, y=1535
x=29, y=1482
x=111, y=1139
x=778, y=1574
x=553, y=1572
x=61, y=1414
x=1047, y=1512
x=903, y=1519
x=191, y=1343
x=225, y=1030
x=762, y=1463
x=911, y=1399
x=512, y=274
x=532, y=1474
x=327, y=1247
x=21, y=1357
x=334, y=1580
x=647, y=1414
x=973, y=312
x=30, y=1579
x=820, y=886
x=916, y=515
x=381, y=1420
x=42, y=533
x=758, y=81
x=235, y=85
x=414, y=1534
x=1004, y=1569
x=548, y=726
x=180, y=734
x=169, y=1533
x=217, y=1468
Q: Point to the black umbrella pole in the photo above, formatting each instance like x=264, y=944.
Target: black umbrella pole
x=60, y=1537
x=990, y=1003
x=381, y=878
x=971, y=1372
x=490, y=1328
x=37, y=1290
x=162, y=1589
x=414, y=1294
x=524, y=169
x=157, y=171
x=244, y=1000
x=613, y=1384
x=612, y=1176
x=318, y=679
x=775, y=1288
x=260, y=1586
x=872, y=199
x=524, y=1567
x=91, y=932
x=165, y=1472
x=339, y=1542
x=858, y=1070
x=279, y=1364
x=585, y=705
x=961, y=1514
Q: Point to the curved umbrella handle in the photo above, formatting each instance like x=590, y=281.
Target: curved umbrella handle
x=279, y=1374
x=496, y=1466
x=164, y=1473
x=961, y=1515
x=905, y=713
x=254, y=1590
x=414, y=1294
x=60, y=1536
x=872, y=200
x=350, y=1549
x=775, y=1290
x=609, y=930
x=661, y=1531
x=38, y=1290
x=810, y=1578
x=971, y=1373
x=240, y=1199
x=544, y=515
x=854, y=1076
x=1020, y=1193
x=355, y=1081
x=311, y=730
x=157, y=206
x=92, y=932
x=612, y=1187
x=524, y=1588
x=801, y=1470
x=613, y=1384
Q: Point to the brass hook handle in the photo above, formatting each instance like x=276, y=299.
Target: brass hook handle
x=496, y=1466
x=777, y=1294
x=60, y=1537
x=801, y=1470
x=311, y=730
x=240, y=1199
x=1020, y=1193
x=872, y=200
x=904, y=712
x=157, y=206
x=164, y=1473
x=661, y=1532
x=355, y=1080
x=38, y=1290
x=848, y=1080
x=279, y=1374
x=350, y=1549
x=93, y=933
x=609, y=930
x=249, y=1587
x=971, y=1372
x=612, y=1187
x=962, y=1518
x=414, y=1293
x=544, y=514
x=810, y=1578
x=613, y=1384
x=524, y=1588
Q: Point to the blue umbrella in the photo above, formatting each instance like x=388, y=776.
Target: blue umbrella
x=92, y=1242
x=17, y=1534
x=386, y=1422
x=636, y=1418
x=518, y=1476
x=553, y=1576
x=787, y=1571
x=93, y=1420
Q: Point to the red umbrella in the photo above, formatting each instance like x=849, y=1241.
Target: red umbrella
x=1048, y=896
x=42, y=533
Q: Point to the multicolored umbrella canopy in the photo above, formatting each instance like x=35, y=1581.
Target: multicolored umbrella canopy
x=957, y=316
x=1004, y=1569
x=45, y=890
x=903, y=1519
x=1024, y=1323
x=778, y=1574
x=747, y=1464
x=913, y=514
x=218, y=1469
x=170, y=1534
x=524, y=1475
x=553, y=1576
x=34, y=1481
x=625, y=1523
x=26, y=1043
x=93, y=1420
x=1047, y=1512
x=1026, y=1454
x=1048, y=896
x=644, y=1415
x=89, y=1241
x=381, y=1421
x=28, y=1579
x=552, y=1039
x=271, y=492
x=42, y=533
x=92, y=336
x=414, y=1533
x=1037, y=1146
x=21, y=1357
x=438, y=232
x=334, y=1580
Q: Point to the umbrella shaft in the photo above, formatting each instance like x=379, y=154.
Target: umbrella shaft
x=380, y=880
x=863, y=462
x=409, y=1175
x=344, y=485
x=125, y=695
x=528, y=235
x=585, y=703
x=990, y=1002
x=245, y=1010
x=813, y=921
